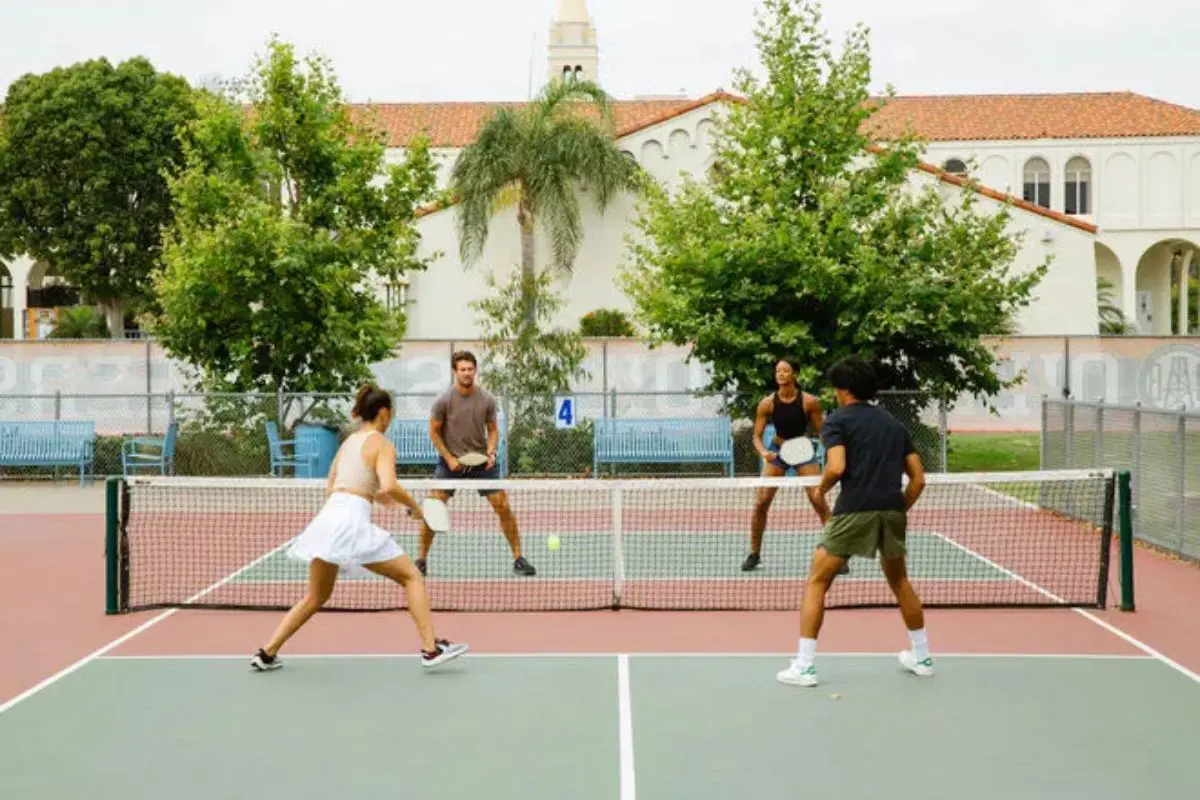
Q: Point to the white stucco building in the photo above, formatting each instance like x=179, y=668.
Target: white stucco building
x=1109, y=184
x=1128, y=164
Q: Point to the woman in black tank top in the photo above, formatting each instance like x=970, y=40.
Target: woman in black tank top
x=789, y=418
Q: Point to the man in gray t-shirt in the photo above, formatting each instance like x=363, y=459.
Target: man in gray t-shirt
x=463, y=420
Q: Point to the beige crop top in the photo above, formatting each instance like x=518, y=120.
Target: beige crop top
x=352, y=472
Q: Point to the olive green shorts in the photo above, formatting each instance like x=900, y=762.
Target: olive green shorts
x=863, y=533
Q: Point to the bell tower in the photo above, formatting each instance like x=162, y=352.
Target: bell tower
x=572, y=50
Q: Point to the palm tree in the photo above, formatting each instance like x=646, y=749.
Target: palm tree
x=1112, y=321
x=536, y=156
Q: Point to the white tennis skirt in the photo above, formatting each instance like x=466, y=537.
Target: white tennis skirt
x=343, y=534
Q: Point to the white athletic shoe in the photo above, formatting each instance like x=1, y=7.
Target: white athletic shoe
x=798, y=675
x=445, y=652
x=924, y=667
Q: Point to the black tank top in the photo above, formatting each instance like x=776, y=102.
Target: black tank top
x=789, y=419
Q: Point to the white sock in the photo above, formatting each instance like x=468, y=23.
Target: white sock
x=920, y=644
x=808, y=651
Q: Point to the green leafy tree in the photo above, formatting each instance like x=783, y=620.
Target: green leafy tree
x=809, y=241
x=536, y=156
x=85, y=152
x=288, y=224
x=527, y=364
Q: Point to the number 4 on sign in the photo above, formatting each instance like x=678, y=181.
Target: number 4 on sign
x=564, y=412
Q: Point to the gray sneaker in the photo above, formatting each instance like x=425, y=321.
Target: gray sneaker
x=445, y=652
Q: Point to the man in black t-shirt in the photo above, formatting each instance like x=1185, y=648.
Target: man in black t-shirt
x=868, y=452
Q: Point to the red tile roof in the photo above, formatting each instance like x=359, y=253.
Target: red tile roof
x=457, y=124
x=934, y=117
x=1033, y=116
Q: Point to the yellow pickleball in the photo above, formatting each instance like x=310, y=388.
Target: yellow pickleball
x=553, y=542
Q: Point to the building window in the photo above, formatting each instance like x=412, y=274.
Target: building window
x=567, y=72
x=395, y=296
x=6, y=288
x=955, y=166
x=1037, y=182
x=1078, y=187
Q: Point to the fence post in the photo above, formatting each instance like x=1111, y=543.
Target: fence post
x=1069, y=432
x=57, y=405
x=1125, y=525
x=1043, y=446
x=944, y=424
x=603, y=366
x=1136, y=459
x=149, y=396
x=1180, y=516
x=1099, y=446
x=170, y=406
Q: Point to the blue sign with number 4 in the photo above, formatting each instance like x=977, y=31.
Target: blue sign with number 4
x=564, y=412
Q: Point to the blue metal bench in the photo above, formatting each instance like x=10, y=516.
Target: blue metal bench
x=769, y=434
x=627, y=440
x=133, y=457
x=48, y=444
x=410, y=436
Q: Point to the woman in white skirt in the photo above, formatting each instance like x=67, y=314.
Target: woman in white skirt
x=342, y=536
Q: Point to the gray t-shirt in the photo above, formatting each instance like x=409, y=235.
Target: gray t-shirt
x=465, y=419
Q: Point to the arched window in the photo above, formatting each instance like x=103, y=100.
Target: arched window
x=1037, y=182
x=566, y=72
x=955, y=166
x=6, y=287
x=1078, y=186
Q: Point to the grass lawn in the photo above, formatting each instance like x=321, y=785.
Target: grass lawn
x=994, y=452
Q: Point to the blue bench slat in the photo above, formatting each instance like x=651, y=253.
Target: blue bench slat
x=628, y=440
x=410, y=436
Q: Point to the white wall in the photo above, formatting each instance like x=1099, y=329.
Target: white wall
x=1137, y=184
x=440, y=296
x=20, y=269
x=1144, y=192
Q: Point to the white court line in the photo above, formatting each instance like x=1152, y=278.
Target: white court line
x=1145, y=648
x=120, y=640
x=625, y=725
x=595, y=655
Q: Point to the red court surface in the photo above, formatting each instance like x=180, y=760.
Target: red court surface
x=53, y=617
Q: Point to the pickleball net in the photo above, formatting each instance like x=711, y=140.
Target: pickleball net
x=1033, y=539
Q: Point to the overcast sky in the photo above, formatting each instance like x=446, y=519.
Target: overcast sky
x=393, y=50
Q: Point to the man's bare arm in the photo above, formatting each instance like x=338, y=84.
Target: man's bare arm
x=916, y=479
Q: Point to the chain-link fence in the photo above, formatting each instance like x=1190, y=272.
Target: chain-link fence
x=226, y=434
x=1161, y=450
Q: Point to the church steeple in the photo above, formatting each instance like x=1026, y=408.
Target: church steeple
x=573, y=51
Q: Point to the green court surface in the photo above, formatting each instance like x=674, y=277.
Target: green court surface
x=655, y=727
x=585, y=555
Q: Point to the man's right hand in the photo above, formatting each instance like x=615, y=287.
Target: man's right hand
x=770, y=455
x=453, y=464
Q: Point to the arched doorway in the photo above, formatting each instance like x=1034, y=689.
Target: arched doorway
x=6, y=303
x=1115, y=319
x=1167, y=288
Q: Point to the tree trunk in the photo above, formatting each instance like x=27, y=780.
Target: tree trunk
x=114, y=315
x=525, y=219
